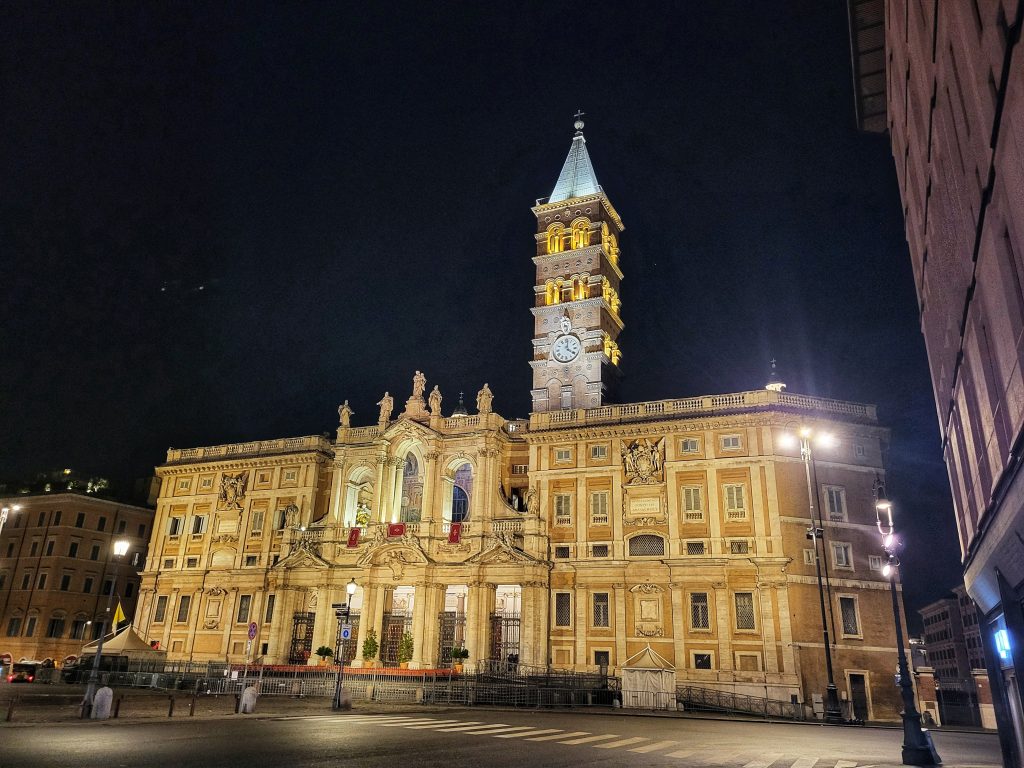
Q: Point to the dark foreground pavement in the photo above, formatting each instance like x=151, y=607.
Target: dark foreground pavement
x=468, y=737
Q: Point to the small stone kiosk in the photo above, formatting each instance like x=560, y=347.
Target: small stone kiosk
x=648, y=681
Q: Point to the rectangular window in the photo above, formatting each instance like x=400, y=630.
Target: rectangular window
x=835, y=503
x=41, y=584
x=174, y=526
x=563, y=455
x=168, y=562
x=198, y=525
x=251, y=560
x=129, y=589
x=693, y=503
x=102, y=525
x=599, y=451
x=257, y=520
x=244, y=605
x=563, y=609
x=735, y=502
x=520, y=469
x=599, y=508
x=599, y=550
x=10, y=549
x=191, y=562
x=731, y=442
x=808, y=557
x=80, y=520
x=55, y=628
x=858, y=451
x=842, y=555
x=875, y=562
x=602, y=658
x=699, y=615
x=160, y=612
x=270, y=609
x=601, y=609
x=26, y=580
x=73, y=549
x=142, y=530
x=739, y=547
x=87, y=585
x=42, y=519
x=14, y=627
x=33, y=549
x=562, y=552
x=65, y=582
x=184, y=603
x=95, y=553
x=108, y=587
x=563, y=509
x=49, y=547
x=689, y=445
x=78, y=629
x=695, y=548
x=56, y=517
x=30, y=626
x=702, y=661
x=848, y=611
x=745, y=610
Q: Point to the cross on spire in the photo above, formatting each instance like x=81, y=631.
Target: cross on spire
x=579, y=121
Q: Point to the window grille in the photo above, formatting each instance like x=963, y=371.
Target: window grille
x=561, y=553
x=695, y=548
x=600, y=609
x=646, y=545
x=191, y=562
x=161, y=609
x=735, y=502
x=699, y=616
x=745, y=610
x=848, y=610
x=244, y=604
x=693, y=504
x=184, y=603
x=739, y=547
x=563, y=509
x=599, y=508
x=563, y=609
x=600, y=550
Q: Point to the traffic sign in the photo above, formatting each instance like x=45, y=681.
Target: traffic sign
x=252, y=630
x=346, y=631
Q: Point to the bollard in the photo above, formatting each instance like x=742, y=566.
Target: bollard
x=238, y=702
x=117, y=706
x=192, y=706
x=170, y=711
x=10, y=709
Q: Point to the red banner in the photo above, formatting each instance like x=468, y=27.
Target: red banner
x=353, y=537
x=396, y=529
x=455, y=533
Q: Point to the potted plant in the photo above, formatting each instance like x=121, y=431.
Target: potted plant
x=370, y=647
x=459, y=656
x=405, y=650
x=324, y=653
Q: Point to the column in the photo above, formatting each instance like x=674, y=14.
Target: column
x=722, y=619
x=785, y=630
x=367, y=620
x=714, y=510
x=621, y=631
x=766, y=603
x=379, y=488
x=582, y=627
x=679, y=624
x=325, y=626
x=426, y=641
x=427, y=511
x=419, y=614
x=227, y=616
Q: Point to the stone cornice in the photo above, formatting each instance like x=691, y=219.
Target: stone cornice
x=573, y=202
x=241, y=463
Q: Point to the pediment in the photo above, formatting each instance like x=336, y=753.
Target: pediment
x=501, y=552
x=302, y=558
x=406, y=427
x=399, y=552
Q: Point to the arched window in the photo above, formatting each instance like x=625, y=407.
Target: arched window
x=412, y=490
x=580, y=233
x=461, y=493
x=555, y=234
x=552, y=292
x=646, y=545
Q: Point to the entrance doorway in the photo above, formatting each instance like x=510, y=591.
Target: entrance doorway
x=302, y=637
x=859, y=695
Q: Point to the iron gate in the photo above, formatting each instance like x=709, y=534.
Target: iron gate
x=393, y=627
x=505, y=638
x=452, y=634
x=302, y=638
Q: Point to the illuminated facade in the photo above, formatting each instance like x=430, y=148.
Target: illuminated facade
x=575, y=538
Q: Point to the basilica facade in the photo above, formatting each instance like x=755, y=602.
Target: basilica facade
x=575, y=539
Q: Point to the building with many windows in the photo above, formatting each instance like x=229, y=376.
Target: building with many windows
x=576, y=538
x=945, y=81
x=952, y=637
x=57, y=568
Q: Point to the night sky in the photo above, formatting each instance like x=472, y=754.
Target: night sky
x=216, y=224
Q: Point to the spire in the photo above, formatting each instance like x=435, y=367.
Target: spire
x=775, y=382
x=460, y=409
x=577, y=177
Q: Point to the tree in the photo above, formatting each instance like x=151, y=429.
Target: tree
x=370, y=646
x=405, y=648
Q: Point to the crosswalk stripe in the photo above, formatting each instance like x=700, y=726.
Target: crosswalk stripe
x=654, y=746
x=528, y=733
x=766, y=760
x=436, y=724
x=680, y=753
x=402, y=723
x=473, y=727
x=845, y=764
x=620, y=743
x=373, y=719
x=805, y=762
x=493, y=731
x=588, y=739
x=560, y=736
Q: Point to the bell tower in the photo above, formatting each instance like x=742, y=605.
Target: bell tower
x=576, y=306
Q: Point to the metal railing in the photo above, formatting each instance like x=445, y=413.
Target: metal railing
x=697, y=699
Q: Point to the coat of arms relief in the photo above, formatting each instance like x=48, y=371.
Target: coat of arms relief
x=643, y=492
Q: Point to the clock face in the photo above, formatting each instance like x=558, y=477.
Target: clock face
x=566, y=348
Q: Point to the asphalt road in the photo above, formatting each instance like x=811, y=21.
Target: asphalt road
x=470, y=737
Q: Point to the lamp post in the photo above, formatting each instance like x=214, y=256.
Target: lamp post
x=816, y=533
x=343, y=611
x=120, y=549
x=918, y=748
x=5, y=511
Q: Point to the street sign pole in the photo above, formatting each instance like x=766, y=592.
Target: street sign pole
x=253, y=629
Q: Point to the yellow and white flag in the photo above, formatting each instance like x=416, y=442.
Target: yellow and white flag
x=119, y=615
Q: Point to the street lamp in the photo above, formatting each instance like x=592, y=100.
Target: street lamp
x=918, y=748
x=4, y=511
x=120, y=550
x=816, y=532
x=343, y=611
